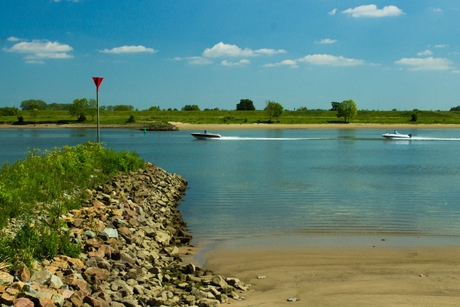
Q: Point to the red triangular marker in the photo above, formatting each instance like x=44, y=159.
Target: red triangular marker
x=97, y=81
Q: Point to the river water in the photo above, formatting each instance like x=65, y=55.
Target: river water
x=282, y=182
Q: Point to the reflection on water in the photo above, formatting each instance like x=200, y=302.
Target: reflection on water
x=293, y=181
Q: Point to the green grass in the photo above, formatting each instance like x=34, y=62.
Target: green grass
x=241, y=117
x=48, y=184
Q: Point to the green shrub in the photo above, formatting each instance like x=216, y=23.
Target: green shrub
x=48, y=184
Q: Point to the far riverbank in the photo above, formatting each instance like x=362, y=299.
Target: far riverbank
x=219, y=127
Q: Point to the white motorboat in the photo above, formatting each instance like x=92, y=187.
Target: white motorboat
x=206, y=135
x=396, y=135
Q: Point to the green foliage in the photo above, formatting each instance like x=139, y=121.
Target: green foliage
x=245, y=105
x=47, y=185
x=33, y=104
x=347, y=109
x=122, y=107
x=334, y=105
x=79, y=107
x=9, y=111
x=457, y=108
x=193, y=107
x=273, y=109
x=131, y=119
x=413, y=117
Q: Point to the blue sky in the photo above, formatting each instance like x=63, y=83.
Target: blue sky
x=301, y=53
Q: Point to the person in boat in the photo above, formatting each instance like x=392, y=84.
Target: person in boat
x=395, y=132
x=205, y=132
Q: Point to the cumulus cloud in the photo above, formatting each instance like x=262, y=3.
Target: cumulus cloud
x=239, y=63
x=327, y=41
x=38, y=50
x=371, y=10
x=288, y=63
x=441, y=46
x=129, y=49
x=425, y=53
x=428, y=63
x=221, y=49
x=333, y=12
x=327, y=59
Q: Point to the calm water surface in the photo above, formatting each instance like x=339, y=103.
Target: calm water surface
x=259, y=182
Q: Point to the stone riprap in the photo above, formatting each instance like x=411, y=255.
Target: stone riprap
x=130, y=231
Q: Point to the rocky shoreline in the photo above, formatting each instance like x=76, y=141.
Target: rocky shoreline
x=131, y=233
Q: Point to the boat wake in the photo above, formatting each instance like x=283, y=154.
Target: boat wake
x=420, y=138
x=414, y=138
x=238, y=138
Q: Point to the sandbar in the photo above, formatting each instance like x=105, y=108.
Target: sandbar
x=220, y=127
x=363, y=275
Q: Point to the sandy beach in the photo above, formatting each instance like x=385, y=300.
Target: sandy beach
x=221, y=127
x=343, y=276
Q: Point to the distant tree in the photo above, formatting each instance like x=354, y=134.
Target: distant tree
x=302, y=109
x=59, y=106
x=191, y=108
x=33, y=104
x=79, y=108
x=334, y=105
x=245, y=105
x=34, y=113
x=131, y=119
x=457, y=108
x=92, y=108
x=154, y=108
x=273, y=109
x=122, y=107
x=413, y=117
x=9, y=111
x=347, y=109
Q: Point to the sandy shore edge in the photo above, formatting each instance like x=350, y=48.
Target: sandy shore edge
x=343, y=276
x=221, y=127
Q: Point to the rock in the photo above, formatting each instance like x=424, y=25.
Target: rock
x=5, y=278
x=23, y=302
x=130, y=232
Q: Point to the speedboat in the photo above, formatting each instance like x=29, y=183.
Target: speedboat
x=396, y=135
x=206, y=135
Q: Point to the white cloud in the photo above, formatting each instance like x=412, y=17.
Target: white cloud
x=221, y=49
x=13, y=39
x=40, y=49
x=327, y=59
x=195, y=60
x=129, y=49
x=327, y=41
x=289, y=63
x=435, y=10
x=429, y=63
x=239, y=63
x=371, y=10
x=425, y=53
x=441, y=46
x=333, y=12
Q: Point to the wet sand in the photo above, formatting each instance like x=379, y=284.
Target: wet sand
x=374, y=275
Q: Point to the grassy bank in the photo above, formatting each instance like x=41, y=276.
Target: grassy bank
x=136, y=118
x=34, y=192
